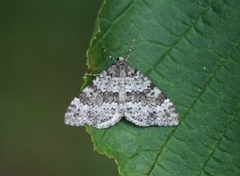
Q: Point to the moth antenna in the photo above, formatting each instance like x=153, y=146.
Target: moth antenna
x=130, y=49
x=106, y=51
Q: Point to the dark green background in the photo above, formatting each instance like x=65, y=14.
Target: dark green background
x=42, y=61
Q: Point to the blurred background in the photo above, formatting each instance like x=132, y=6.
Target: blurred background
x=43, y=46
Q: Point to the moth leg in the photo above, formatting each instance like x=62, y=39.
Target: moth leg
x=91, y=74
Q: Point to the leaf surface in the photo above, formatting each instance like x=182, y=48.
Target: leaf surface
x=190, y=50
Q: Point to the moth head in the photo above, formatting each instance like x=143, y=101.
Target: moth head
x=121, y=60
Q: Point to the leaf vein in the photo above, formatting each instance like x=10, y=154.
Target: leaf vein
x=120, y=15
x=218, y=142
x=181, y=36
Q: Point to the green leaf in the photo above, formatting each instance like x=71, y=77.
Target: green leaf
x=190, y=50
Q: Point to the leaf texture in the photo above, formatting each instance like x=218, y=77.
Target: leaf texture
x=190, y=50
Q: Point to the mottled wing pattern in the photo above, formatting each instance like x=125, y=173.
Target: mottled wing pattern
x=121, y=91
x=145, y=104
x=97, y=105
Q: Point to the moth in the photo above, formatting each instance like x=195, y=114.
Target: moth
x=121, y=91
